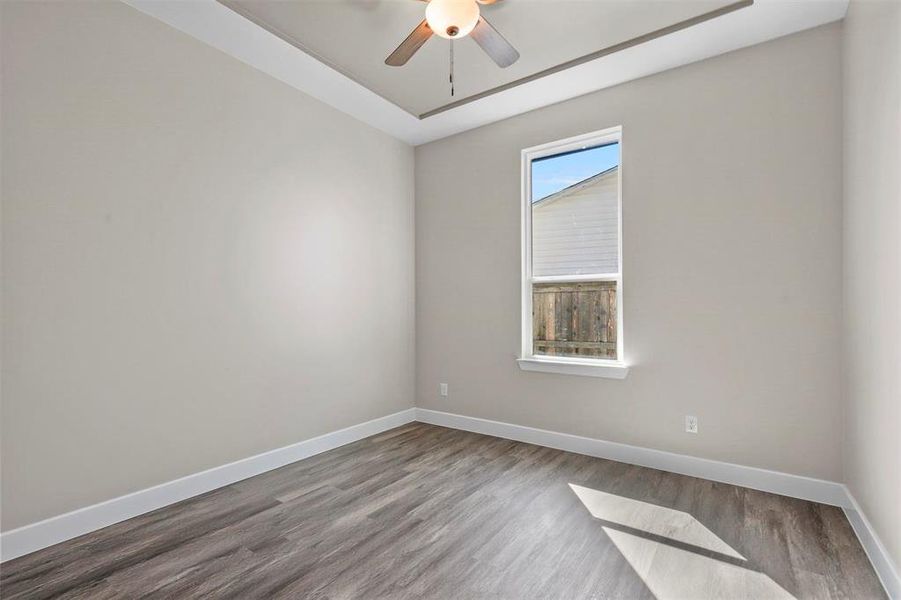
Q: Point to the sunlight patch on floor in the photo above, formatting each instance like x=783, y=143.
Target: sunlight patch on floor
x=672, y=573
x=651, y=518
x=668, y=549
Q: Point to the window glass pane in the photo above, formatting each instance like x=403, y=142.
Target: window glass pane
x=574, y=319
x=575, y=220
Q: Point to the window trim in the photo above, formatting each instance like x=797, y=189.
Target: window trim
x=527, y=360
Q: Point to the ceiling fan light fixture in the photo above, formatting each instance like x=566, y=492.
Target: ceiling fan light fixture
x=452, y=19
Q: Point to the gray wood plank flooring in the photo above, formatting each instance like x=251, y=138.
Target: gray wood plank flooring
x=428, y=512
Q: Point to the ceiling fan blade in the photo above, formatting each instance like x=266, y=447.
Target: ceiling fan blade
x=494, y=44
x=409, y=46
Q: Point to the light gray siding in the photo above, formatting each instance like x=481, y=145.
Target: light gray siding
x=576, y=232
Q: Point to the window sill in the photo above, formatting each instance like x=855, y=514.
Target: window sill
x=609, y=369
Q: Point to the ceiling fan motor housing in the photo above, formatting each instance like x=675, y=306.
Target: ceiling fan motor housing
x=451, y=20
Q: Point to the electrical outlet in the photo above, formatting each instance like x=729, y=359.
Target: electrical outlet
x=442, y=389
x=691, y=424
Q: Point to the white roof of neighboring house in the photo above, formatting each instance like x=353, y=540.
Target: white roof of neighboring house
x=579, y=185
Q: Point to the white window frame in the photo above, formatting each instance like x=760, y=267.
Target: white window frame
x=528, y=361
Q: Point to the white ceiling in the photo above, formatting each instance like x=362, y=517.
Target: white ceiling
x=352, y=38
x=355, y=36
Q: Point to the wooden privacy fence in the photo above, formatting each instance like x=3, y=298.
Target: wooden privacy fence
x=574, y=319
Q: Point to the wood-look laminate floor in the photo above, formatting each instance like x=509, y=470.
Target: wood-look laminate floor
x=427, y=512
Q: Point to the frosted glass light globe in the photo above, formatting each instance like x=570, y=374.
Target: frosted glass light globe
x=452, y=19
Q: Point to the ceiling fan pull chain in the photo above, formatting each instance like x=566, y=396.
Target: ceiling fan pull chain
x=452, y=67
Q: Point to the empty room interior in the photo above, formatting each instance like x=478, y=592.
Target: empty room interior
x=450, y=299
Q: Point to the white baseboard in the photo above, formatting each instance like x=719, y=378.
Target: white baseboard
x=796, y=486
x=872, y=545
x=27, y=539
x=30, y=538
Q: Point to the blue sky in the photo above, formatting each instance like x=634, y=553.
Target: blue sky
x=550, y=175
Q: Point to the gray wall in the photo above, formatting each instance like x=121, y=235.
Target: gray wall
x=732, y=262
x=194, y=255
x=199, y=262
x=872, y=271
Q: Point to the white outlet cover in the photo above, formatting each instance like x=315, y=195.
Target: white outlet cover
x=442, y=388
x=691, y=424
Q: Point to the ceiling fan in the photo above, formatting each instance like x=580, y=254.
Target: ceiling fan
x=452, y=20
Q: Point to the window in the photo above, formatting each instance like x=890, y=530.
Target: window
x=572, y=319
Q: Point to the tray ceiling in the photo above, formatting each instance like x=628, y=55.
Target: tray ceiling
x=355, y=36
x=336, y=48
